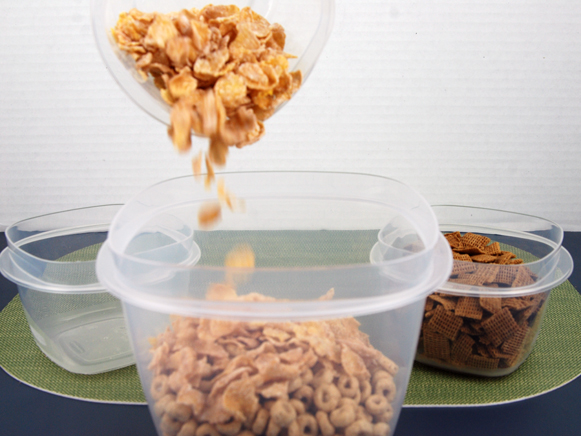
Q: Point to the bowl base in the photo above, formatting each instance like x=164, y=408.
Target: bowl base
x=85, y=341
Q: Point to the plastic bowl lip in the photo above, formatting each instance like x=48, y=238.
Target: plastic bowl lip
x=410, y=257
x=15, y=245
x=565, y=264
x=556, y=244
x=119, y=252
x=162, y=112
x=291, y=310
x=14, y=248
x=21, y=280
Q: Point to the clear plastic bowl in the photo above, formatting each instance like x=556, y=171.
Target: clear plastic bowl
x=308, y=24
x=74, y=320
x=490, y=329
x=310, y=232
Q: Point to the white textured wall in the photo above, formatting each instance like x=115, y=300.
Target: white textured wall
x=469, y=101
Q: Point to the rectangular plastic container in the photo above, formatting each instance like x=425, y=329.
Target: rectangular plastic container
x=486, y=319
x=304, y=331
x=75, y=322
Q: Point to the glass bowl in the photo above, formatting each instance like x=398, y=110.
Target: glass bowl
x=308, y=24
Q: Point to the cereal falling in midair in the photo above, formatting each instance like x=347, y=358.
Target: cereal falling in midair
x=223, y=71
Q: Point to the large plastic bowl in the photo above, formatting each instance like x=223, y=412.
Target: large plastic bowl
x=489, y=326
x=307, y=23
x=224, y=363
x=73, y=319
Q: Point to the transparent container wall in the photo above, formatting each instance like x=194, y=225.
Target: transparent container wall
x=536, y=236
x=485, y=319
x=500, y=222
x=279, y=254
x=293, y=236
x=74, y=321
x=167, y=238
x=60, y=248
x=305, y=316
x=82, y=333
x=530, y=238
x=352, y=202
x=463, y=353
x=307, y=23
x=273, y=361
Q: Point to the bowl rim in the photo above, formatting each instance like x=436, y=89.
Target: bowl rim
x=110, y=257
x=129, y=84
x=561, y=270
x=23, y=278
x=119, y=252
x=300, y=310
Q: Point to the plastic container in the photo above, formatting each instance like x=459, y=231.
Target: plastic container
x=223, y=344
x=74, y=321
x=307, y=23
x=489, y=315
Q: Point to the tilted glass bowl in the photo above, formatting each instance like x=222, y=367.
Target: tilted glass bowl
x=307, y=23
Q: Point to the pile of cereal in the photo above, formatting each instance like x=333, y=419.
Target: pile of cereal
x=485, y=333
x=216, y=377
x=222, y=69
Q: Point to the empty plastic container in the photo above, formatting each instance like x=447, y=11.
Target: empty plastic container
x=74, y=320
x=486, y=319
x=313, y=326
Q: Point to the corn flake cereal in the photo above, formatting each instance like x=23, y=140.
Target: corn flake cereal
x=219, y=377
x=222, y=69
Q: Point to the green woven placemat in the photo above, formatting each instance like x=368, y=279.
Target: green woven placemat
x=554, y=361
x=23, y=360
